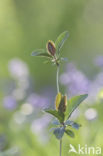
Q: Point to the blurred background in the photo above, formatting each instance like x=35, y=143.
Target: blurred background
x=27, y=85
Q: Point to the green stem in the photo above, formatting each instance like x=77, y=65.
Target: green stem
x=60, y=147
x=57, y=78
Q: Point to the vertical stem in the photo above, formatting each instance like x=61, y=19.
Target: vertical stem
x=60, y=147
x=57, y=78
x=57, y=81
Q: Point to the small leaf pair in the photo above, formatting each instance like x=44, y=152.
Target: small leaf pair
x=67, y=123
x=59, y=132
x=53, y=49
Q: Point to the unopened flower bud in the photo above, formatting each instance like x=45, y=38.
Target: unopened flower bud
x=63, y=104
x=51, y=48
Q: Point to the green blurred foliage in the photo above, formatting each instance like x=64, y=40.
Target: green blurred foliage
x=26, y=25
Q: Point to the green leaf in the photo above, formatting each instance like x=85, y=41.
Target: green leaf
x=76, y=125
x=73, y=103
x=72, y=124
x=60, y=40
x=59, y=132
x=55, y=122
x=40, y=53
x=58, y=115
x=70, y=133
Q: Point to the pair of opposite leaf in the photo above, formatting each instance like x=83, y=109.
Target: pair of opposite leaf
x=53, y=49
x=63, y=111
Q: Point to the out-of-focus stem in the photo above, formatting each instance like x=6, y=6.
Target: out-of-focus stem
x=60, y=147
x=57, y=78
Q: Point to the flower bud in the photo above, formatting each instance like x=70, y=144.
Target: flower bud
x=58, y=100
x=63, y=104
x=51, y=48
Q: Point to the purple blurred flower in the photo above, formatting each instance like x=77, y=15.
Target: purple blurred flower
x=39, y=127
x=75, y=81
x=38, y=101
x=18, y=68
x=91, y=114
x=41, y=123
x=95, y=87
x=98, y=61
x=3, y=141
x=9, y=102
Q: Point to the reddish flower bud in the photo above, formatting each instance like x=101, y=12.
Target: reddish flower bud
x=51, y=48
x=63, y=104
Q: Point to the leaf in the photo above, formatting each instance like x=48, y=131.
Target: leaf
x=70, y=133
x=58, y=100
x=40, y=53
x=58, y=115
x=76, y=125
x=73, y=103
x=59, y=132
x=60, y=40
x=72, y=124
x=55, y=122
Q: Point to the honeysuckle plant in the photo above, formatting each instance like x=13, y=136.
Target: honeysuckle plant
x=64, y=107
